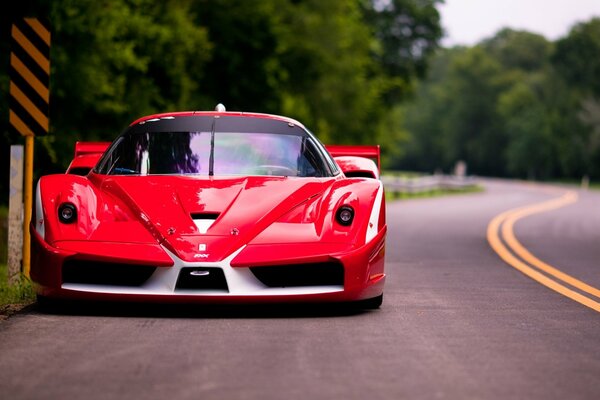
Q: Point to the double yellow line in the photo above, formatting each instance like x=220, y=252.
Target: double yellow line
x=501, y=237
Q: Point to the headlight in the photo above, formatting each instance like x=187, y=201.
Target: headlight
x=67, y=213
x=345, y=215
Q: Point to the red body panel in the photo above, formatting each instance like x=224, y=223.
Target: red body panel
x=371, y=152
x=358, y=167
x=233, y=223
x=87, y=155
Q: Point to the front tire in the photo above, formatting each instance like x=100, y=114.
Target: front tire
x=51, y=305
x=373, y=303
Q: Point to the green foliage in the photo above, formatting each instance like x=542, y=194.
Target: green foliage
x=3, y=234
x=576, y=57
x=244, y=70
x=114, y=61
x=528, y=130
x=454, y=117
x=19, y=293
x=473, y=132
x=576, y=61
x=339, y=97
x=407, y=33
x=519, y=50
x=340, y=67
x=514, y=105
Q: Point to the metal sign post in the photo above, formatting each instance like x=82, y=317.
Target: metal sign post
x=15, y=214
x=29, y=100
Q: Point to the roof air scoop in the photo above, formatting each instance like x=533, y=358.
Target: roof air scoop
x=220, y=108
x=203, y=221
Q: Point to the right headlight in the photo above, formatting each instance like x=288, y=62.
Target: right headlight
x=345, y=215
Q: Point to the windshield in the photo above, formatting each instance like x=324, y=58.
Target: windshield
x=233, y=153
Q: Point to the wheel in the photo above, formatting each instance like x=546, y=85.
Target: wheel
x=46, y=303
x=51, y=305
x=373, y=303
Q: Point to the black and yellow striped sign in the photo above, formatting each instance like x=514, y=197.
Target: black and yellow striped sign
x=30, y=76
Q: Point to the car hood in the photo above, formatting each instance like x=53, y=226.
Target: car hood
x=209, y=218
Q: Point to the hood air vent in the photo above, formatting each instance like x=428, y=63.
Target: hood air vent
x=203, y=221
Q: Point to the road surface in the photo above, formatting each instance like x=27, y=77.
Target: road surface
x=457, y=322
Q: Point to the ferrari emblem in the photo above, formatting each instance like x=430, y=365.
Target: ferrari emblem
x=202, y=247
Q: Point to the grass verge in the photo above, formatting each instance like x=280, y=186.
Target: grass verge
x=3, y=234
x=13, y=297
x=592, y=185
x=391, y=196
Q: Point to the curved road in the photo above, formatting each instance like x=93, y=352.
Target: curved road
x=457, y=323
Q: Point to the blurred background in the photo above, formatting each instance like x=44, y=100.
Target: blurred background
x=510, y=103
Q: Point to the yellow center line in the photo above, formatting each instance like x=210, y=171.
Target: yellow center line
x=504, y=223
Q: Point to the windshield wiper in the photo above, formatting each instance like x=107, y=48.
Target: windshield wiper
x=112, y=166
x=211, y=158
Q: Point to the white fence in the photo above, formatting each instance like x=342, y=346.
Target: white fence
x=427, y=183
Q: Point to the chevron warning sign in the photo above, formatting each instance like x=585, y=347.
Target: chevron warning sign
x=30, y=76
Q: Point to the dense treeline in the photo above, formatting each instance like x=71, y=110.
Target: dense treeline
x=513, y=105
x=337, y=66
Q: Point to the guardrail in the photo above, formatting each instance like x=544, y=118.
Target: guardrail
x=428, y=183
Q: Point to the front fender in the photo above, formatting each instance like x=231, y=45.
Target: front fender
x=100, y=217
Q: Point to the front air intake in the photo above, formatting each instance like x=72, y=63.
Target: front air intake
x=107, y=274
x=318, y=274
x=201, y=279
x=204, y=221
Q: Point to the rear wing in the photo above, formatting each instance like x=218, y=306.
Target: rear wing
x=87, y=155
x=84, y=148
x=372, y=152
x=357, y=161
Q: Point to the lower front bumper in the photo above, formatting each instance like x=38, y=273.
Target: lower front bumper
x=363, y=279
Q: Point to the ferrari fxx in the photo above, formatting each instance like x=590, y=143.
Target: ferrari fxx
x=213, y=207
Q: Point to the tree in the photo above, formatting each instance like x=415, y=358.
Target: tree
x=506, y=109
x=338, y=66
x=530, y=148
x=519, y=50
x=131, y=64
x=525, y=106
x=331, y=80
x=424, y=116
x=576, y=61
x=244, y=71
x=456, y=117
x=408, y=33
x=576, y=57
x=111, y=62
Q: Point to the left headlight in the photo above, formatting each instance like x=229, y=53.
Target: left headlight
x=345, y=215
x=67, y=213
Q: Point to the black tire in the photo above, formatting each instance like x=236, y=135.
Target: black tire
x=50, y=305
x=373, y=303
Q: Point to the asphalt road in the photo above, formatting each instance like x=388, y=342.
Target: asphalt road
x=457, y=323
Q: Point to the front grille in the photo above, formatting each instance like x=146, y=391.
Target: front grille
x=318, y=274
x=202, y=278
x=102, y=273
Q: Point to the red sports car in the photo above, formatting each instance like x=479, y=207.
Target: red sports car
x=213, y=207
